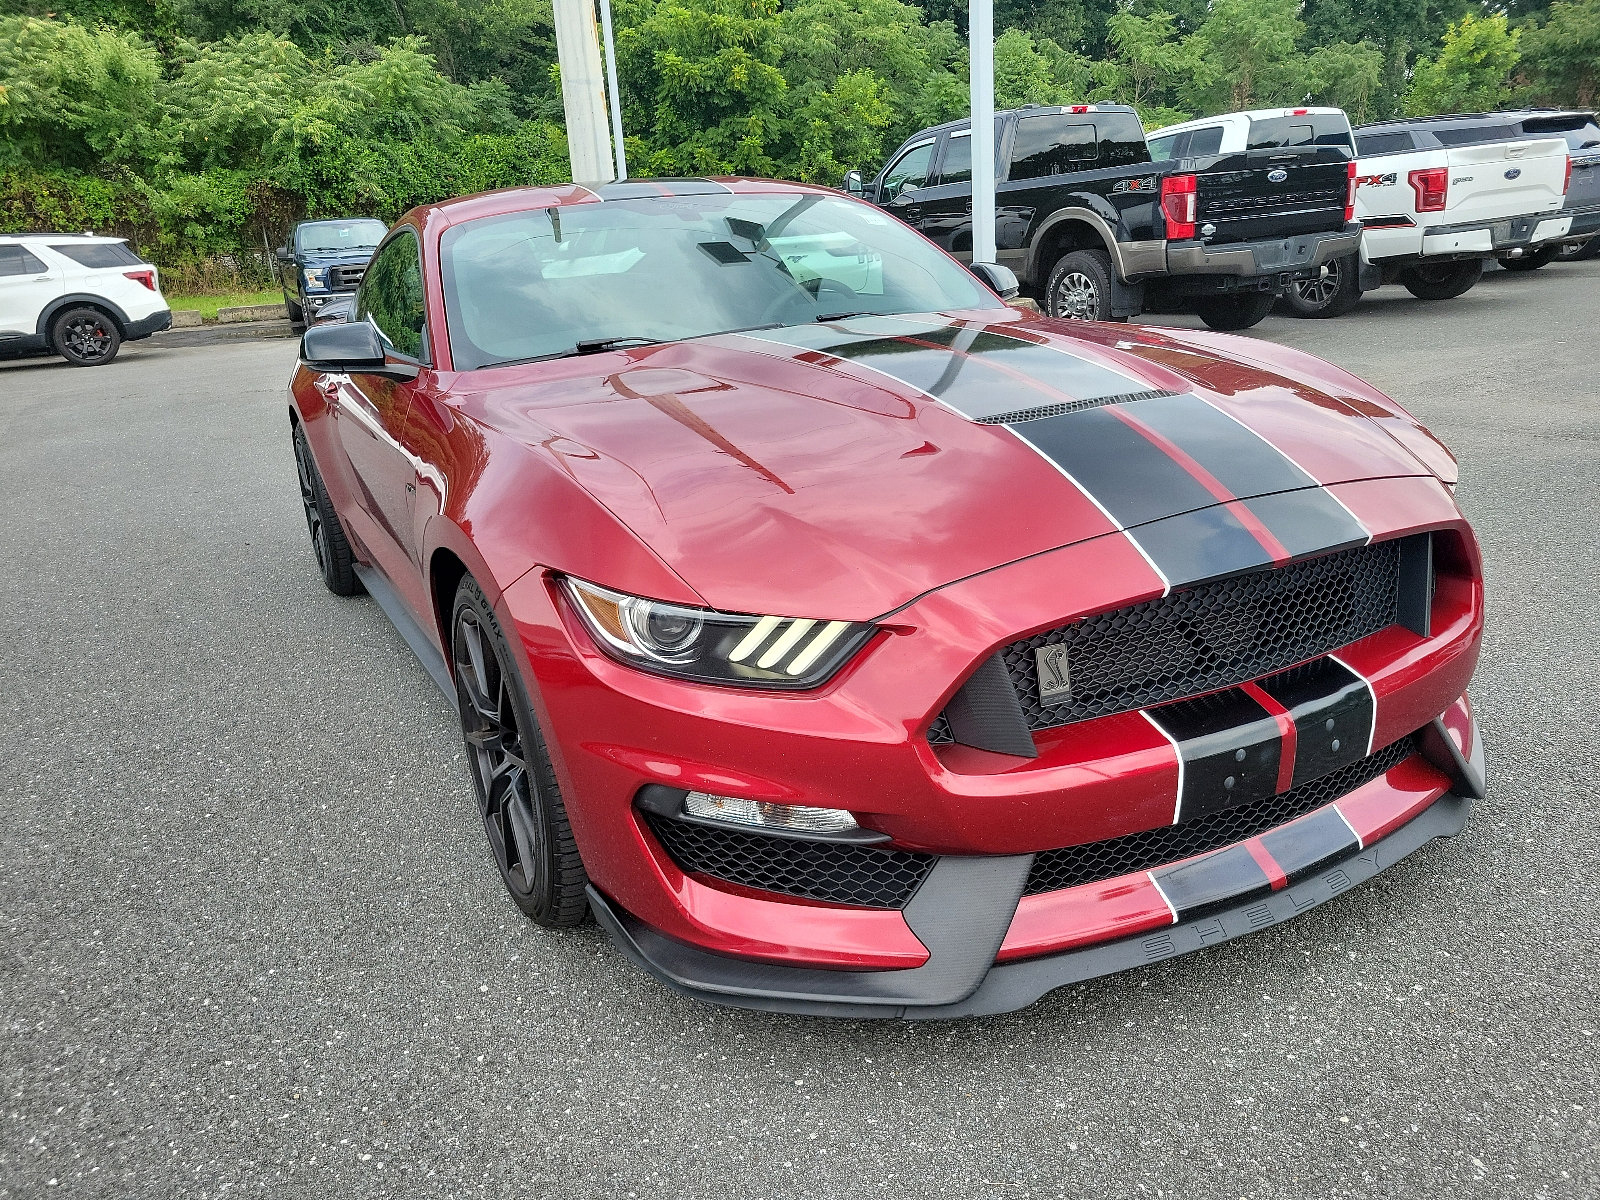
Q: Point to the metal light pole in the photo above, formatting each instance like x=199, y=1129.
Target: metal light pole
x=616, y=92
x=582, y=91
x=980, y=49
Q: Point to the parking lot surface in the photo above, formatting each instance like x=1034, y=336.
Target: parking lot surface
x=252, y=942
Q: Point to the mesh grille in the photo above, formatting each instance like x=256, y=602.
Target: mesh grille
x=1067, y=406
x=830, y=871
x=1057, y=869
x=1213, y=636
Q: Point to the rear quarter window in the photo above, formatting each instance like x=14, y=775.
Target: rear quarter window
x=1374, y=145
x=1204, y=141
x=1472, y=133
x=99, y=254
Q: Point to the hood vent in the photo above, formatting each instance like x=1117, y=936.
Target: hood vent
x=1067, y=406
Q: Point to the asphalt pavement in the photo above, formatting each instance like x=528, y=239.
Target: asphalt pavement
x=251, y=940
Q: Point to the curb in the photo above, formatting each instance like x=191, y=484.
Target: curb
x=251, y=312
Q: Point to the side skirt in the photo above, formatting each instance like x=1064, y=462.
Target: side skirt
x=406, y=626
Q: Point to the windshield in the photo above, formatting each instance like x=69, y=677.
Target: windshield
x=548, y=281
x=341, y=235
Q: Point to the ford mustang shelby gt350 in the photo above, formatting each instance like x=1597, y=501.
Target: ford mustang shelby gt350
x=848, y=641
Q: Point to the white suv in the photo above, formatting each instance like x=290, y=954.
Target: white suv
x=76, y=295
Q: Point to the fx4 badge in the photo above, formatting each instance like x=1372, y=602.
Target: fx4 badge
x=1144, y=183
x=1376, y=180
x=1055, y=684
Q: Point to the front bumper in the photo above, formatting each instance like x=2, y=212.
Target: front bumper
x=1252, y=265
x=966, y=908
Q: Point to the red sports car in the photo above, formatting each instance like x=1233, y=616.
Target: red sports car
x=850, y=642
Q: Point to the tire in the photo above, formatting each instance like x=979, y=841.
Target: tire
x=518, y=797
x=1531, y=262
x=1442, y=281
x=1580, y=253
x=1234, y=310
x=1331, y=294
x=297, y=313
x=1080, y=287
x=85, y=337
x=328, y=542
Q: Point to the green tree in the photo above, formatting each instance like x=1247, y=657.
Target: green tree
x=1022, y=75
x=1472, y=71
x=230, y=97
x=1347, y=75
x=1245, y=56
x=1563, y=53
x=73, y=97
x=1146, y=64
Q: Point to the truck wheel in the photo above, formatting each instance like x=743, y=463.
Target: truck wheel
x=1442, y=281
x=1080, y=287
x=1332, y=293
x=1234, y=310
x=1531, y=261
x=297, y=314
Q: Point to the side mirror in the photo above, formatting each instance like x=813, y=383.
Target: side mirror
x=283, y=254
x=854, y=184
x=1002, y=281
x=352, y=348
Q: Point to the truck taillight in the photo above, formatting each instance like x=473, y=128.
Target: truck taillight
x=1350, y=193
x=1432, y=186
x=1178, y=204
x=148, y=278
x=1567, y=182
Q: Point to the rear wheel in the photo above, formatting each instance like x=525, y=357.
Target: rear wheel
x=1234, y=310
x=1442, y=281
x=518, y=797
x=328, y=542
x=1531, y=261
x=1080, y=287
x=85, y=337
x=1334, y=291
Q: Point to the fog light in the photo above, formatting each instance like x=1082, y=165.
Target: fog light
x=762, y=815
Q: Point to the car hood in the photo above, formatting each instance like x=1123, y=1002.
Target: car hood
x=843, y=470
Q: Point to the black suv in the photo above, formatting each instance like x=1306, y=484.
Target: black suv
x=1093, y=228
x=323, y=260
x=1577, y=126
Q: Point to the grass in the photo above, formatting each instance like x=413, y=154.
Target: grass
x=208, y=305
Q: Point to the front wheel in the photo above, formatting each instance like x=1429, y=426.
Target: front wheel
x=297, y=313
x=1442, y=281
x=328, y=542
x=518, y=798
x=1332, y=292
x=1234, y=310
x=85, y=337
x=1080, y=287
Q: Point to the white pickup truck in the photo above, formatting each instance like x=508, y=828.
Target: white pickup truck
x=1431, y=214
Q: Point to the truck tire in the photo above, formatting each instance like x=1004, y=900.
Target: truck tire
x=1442, y=281
x=1080, y=287
x=297, y=316
x=1234, y=310
x=1531, y=261
x=1331, y=294
x=1580, y=253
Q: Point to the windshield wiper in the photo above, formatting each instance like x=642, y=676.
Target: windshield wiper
x=600, y=345
x=841, y=316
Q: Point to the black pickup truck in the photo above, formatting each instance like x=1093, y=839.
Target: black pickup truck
x=1097, y=231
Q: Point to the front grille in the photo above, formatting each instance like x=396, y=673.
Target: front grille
x=345, y=279
x=838, y=873
x=1057, y=869
x=1213, y=636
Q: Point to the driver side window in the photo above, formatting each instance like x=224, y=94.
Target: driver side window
x=909, y=170
x=391, y=296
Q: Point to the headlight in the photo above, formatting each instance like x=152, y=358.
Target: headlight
x=314, y=276
x=716, y=647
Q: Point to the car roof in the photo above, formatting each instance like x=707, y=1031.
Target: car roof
x=56, y=237
x=1515, y=114
x=1252, y=113
x=522, y=199
x=1027, y=110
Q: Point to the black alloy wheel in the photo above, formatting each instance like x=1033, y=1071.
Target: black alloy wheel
x=518, y=798
x=86, y=337
x=328, y=542
x=1333, y=291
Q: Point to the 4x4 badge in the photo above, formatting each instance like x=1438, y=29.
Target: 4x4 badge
x=1055, y=683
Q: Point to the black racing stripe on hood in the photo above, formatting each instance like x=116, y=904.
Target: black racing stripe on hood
x=1240, y=459
x=1309, y=521
x=1197, y=547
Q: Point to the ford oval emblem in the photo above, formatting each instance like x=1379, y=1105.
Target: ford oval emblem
x=1277, y=175
x=1514, y=172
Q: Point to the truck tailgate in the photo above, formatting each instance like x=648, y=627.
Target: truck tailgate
x=1278, y=193
x=1505, y=179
